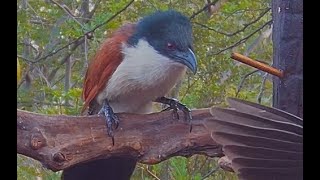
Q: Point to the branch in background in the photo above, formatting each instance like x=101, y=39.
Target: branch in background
x=61, y=141
x=39, y=22
x=262, y=87
x=37, y=16
x=111, y=18
x=53, y=52
x=91, y=13
x=21, y=82
x=148, y=171
x=42, y=76
x=209, y=28
x=213, y=170
x=67, y=10
x=260, y=66
x=41, y=103
x=242, y=81
x=247, y=10
x=242, y=40
x=24, y=58
x=25, y=77
x=264, y=35
x=196, y=163
x=86, y=52
x=24, y=4
x=29, y=44
x=54, y=41
x=203, y=9
x=84, y=8
x=62, y=76
x=214, y=8
x=165, y=168
x=65, y=59
x=245, y=26
x=59, y=79
x=67, y=79
x=188, y=88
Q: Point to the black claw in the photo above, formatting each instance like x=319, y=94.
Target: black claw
x=175, y=114
x=166, y=109
x=112, y=138
x=112, y=120
x=175, y=105
x=190, y=127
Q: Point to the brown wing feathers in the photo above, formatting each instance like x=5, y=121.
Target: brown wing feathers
x=262, y=142
x=104, y=63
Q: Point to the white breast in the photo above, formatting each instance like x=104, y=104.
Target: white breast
x=143, y=75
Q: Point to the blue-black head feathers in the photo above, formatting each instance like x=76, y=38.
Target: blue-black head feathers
x=168, y=32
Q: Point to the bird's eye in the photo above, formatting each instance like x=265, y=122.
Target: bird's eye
x=171, y=46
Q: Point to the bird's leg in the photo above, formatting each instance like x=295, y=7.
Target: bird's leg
x=112, y=120
x=175, y=105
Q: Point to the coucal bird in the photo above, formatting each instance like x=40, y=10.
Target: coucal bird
x=137, y=65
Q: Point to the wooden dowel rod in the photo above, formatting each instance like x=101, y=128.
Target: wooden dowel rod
x=257, y=64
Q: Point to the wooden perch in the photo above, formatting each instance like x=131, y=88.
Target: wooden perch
x=62, y=141
x=257, y=64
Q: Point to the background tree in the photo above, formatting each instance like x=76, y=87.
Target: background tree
x=288, y=55
x=56, y=38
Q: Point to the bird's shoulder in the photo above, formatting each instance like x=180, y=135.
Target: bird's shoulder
x=105, y=62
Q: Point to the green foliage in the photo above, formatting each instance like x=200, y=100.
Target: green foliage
x=44, y=27
x=179, y=168
x=29, y=169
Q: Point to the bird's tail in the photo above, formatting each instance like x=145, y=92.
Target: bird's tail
x=262, y=143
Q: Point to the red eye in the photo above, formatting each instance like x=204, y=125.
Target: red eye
x=171, y=46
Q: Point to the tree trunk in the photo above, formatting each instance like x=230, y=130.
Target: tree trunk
x=288, y=55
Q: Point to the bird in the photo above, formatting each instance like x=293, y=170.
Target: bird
x=137, y=65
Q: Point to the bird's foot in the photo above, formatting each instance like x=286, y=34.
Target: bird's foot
x=112, y=120
x=175, y=105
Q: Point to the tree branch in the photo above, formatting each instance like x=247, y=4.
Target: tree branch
x=212, y=171
x=53, y=52
x=243, y=40
x=203, y=9
x=243, y=79
x=67, y=11
x=62, y=141
x=245, y=26
x=149, y=172
x=264, y=35
x=262, y=87
x=214, y=8
x=91, y=13
x=65, y=59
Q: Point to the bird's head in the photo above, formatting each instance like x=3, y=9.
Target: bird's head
x=169, y=33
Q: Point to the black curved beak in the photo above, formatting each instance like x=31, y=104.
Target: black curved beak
x=187, y=58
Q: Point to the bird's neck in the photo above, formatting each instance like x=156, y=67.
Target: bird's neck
x=148, y=65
